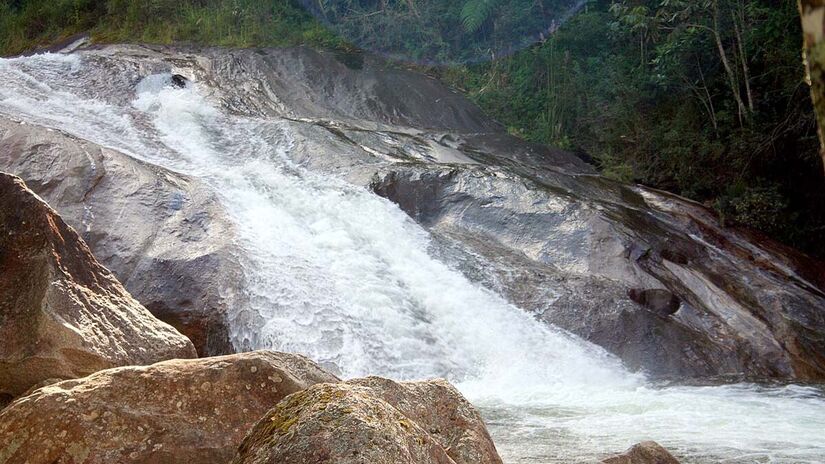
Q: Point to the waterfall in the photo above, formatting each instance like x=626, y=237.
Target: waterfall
x=345, y=277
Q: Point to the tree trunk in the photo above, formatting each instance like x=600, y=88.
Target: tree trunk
x=709, y=98
x=723, y=55
x=738, y=26
x=813, y=30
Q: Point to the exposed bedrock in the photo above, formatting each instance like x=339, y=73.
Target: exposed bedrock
x=181, y=411
x=650, y=277
x=62, y=314
x=163, y=235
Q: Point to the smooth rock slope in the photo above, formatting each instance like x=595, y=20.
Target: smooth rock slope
x=164, y=236
x=651, y=277
x=62, y=314
x=180, y=411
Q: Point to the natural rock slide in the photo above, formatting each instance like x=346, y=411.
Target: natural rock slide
x=227, y=190
x=651, y=277
x=65, y=316
x=162, y=234
x=192, y=411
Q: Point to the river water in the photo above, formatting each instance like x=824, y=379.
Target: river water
x=336, y=273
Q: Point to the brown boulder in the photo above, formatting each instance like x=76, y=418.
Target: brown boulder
x=341, y=424
x=180, y=411
x=62, y=314
x=646, y=452
x=443, y=412
x=162, y=234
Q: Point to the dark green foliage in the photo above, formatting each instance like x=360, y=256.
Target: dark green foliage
x=442, y=31
x=475, y=13
x=22, y=21
x=28, y=23
x=641, y=88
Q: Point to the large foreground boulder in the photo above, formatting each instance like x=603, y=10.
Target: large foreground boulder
x=371, y=420
x=341, y=424
x=181, y=411
x=443, y=412
x=62, y=314
x=162, y=234
x=646, y=452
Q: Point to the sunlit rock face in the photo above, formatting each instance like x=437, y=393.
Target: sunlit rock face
x=62, y=314
x=651, y=277
x=558, y=240
x=440, y=410
x=370, y=421
x=161, y=233
x=648, y=452
x=193, y=411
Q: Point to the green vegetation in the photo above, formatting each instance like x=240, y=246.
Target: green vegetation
x=704, y=98
x=25, y=24
x=698, y=97
x=442, y=31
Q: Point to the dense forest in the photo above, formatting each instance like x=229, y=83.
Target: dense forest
x=704, y=98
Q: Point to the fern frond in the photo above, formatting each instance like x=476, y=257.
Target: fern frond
x=476, y=12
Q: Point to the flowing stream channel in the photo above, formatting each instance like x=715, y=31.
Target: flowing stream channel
x=336, y=273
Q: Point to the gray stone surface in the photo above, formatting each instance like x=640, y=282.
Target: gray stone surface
x=653, y=278
x=162, y=234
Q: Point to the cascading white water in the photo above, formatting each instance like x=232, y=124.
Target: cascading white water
x=336, y=273
x=342, y=275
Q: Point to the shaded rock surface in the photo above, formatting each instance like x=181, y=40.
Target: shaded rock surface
x=62, y=314
x=360, y=422
x=443, y=412
x=647, y=452
x=162, y=234
x=180, y=411
x=653, y=278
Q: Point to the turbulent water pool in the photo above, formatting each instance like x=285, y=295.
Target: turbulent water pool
x=336, y=273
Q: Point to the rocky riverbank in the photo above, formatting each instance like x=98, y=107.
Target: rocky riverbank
x=652, y=278
x=66, y=320
x=66, y=317
x=98, y=371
